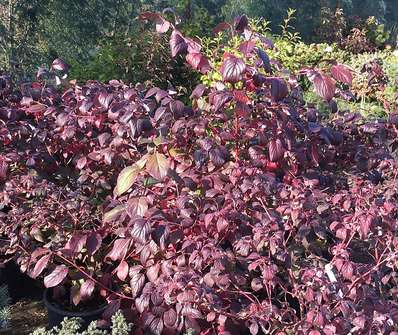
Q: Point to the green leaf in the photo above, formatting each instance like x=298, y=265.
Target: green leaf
x=157, y=165
x=150, y=181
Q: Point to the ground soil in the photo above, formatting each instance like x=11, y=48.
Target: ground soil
x=27, y=309
x=26, y=316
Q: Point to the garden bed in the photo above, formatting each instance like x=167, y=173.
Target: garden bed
x=26, y=316
x=245, y=209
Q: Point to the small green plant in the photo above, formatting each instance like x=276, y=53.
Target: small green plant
x=4, y=307
x=73, y=326
x=288, y=32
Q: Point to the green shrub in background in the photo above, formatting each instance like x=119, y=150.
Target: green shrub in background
x=4, y=307
x=295, y=55
x=140, y=57
x=370, y=103
x=72, y=327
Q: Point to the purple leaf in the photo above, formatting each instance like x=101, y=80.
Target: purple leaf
x=87, y=289
x=198, y=61
x=56, y=277
x=81, y=162
x=141, y=230
x=247, y=47
x=137, y=283
x=113, y=214
x=170, y=318
x=265, y=60
x=198, y=91
x=94, y=241
x=126, y=179
x=178, y=44
x=76, y=243
x=157, y=166
x=122, y=270
x=59, y=65
x=241, y=22
x=137, y=206
x=232, y=69
x=40, y=266
x=276, y=150
x=119, y=250
x=222, y=26
x=342, y=73
x=325, y=86
x=279, y=89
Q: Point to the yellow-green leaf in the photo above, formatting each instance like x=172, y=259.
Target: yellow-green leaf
x=126, y=179
x=113, y=213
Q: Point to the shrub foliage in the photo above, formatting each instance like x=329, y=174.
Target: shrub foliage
x=243, y=211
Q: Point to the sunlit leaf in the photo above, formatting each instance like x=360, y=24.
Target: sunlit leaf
x=232, y=69
x=56, y=276
x=157, y=165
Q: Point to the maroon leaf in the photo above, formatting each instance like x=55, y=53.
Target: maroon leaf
x=56, y=276
x=157, y=166
x=232, y=69
x=60, y=65
x=247, y=47
x=87, y=289
x=222, y=26
x=119, y=250
x=178, y=44
x=342, y=73
x=275, y=150
x=122, y=270
x=170, y=318
x=137, y=283
x=325, y=86
x=40, y=266
x=241, y=22
x=279, y=89
x=94, y=241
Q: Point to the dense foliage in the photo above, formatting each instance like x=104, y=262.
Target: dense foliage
x=244, y=211
x=88, y=33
